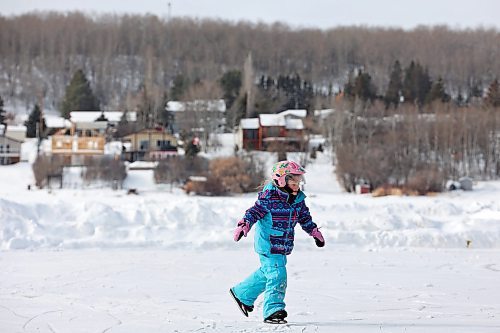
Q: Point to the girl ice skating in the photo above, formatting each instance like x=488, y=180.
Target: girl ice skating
x=279, y=207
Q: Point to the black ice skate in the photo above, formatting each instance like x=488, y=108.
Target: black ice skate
x=245, y=309
x=277, y=318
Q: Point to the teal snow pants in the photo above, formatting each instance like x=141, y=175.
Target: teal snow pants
x=271, y=278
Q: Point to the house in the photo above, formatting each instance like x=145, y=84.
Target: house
x=271, y=130
x=92, y=123
x=198, y=115
x=87, y=134
x=10, y=150
x=16, y=132
x=149, y=144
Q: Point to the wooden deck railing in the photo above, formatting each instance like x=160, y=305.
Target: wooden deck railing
x=64, y=144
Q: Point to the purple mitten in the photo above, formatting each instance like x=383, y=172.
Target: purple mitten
x=241, y=230
x=318, y=237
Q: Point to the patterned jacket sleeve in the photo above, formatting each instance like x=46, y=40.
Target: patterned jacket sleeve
x=258, y=210
x=305, y=219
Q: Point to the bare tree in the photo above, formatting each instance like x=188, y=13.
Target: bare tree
x=203, y=111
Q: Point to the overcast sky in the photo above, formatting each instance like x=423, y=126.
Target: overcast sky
x=297, y=13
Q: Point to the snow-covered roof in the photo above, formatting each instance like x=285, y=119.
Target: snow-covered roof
x=13, y=128
x=7, y=139
x=249, y=123
x=52, y=121
x=267, y=120
x=271, y=120
x=323, y=113
x=295, y=124
x=201, y=105
x=142, y=165
x=91, y=116
x=292, y=112
x=92, y=125
x=175, y=106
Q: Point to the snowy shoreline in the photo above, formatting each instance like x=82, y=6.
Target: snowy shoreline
x=103, y=218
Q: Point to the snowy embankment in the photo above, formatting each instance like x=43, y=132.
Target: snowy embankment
x=168, y=218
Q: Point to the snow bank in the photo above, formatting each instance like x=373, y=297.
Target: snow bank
x=168, y=218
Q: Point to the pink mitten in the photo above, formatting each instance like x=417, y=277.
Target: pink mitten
x=241, y=230
x=318, y=237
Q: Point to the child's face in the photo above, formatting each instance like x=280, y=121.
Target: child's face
x=295, y=182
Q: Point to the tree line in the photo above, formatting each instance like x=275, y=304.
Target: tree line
x=127, y=56
x=413, y=147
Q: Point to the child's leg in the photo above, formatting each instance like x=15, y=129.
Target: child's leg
x=248, y=290
x=274, y=268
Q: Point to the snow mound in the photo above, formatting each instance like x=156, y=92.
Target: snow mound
x=168, y=218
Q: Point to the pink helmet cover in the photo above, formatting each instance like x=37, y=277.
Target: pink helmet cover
x=284, y=168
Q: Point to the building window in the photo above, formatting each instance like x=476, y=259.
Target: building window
x=164, y=144
x=273, y=131
x=144, y=145
x=251, y=134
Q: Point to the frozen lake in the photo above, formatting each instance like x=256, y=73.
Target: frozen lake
x=334, y=289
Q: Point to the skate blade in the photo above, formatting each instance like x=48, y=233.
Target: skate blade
x=275, y=321
x=245, y=313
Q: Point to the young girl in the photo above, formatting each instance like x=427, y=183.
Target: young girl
x=279, y=207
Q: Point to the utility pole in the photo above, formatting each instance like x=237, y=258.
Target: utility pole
x=169, y=13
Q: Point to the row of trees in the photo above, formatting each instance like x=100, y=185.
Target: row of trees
x=415, y=85
x=222, y=175
x=124, y=56
x=219, y=176
x=105, y=170
x=414, y=149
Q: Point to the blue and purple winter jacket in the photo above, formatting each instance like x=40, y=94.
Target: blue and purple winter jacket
x=275, y=219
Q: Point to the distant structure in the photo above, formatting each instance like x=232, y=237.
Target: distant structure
x=273, y=131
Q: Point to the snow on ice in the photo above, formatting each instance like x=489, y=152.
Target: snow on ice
x=98, y=260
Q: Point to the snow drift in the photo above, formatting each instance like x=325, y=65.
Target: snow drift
x=159, y=218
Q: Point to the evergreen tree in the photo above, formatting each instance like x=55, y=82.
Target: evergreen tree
x=360, y=87
x=416, y=84
x=395, y=88
x=33, y=127
x=179, y=87
x=460, y=100
x=230, y=83
x=493, y=94
x=2, y=116
x=437, y=92
x=349, y=86
x=78, y=96
x=363, y=87
x=166, y=117
x=287, y=92
x=475, y=89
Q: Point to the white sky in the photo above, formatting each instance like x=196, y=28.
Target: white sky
x=297, y=13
